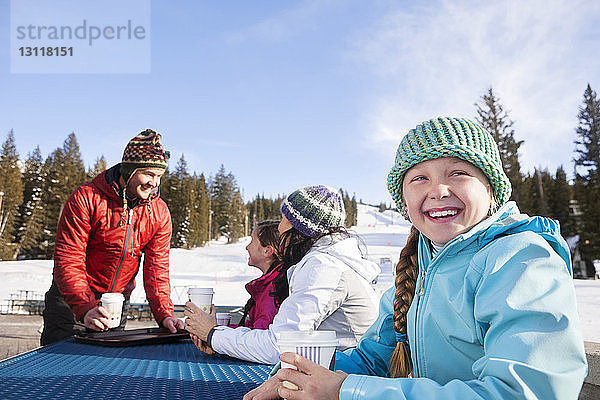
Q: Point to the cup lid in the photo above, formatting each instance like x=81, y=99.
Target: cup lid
x=112, y=296
x=223, y=315
x=314, y=338
x=200, y=290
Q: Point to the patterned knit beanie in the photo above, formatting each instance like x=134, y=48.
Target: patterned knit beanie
x=449, y=137
x=143, y=151
x=314, y=210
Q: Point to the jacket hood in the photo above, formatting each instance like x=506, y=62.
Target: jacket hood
x=508, y=220
x=105, y=182
x=347, y=250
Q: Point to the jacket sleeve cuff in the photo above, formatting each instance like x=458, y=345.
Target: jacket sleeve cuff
x=275, y=368
x=352, y=388
x=160, y=316
x=210, y=335
x=80, y=311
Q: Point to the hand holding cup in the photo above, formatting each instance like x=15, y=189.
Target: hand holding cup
x=312, y=380
x=198, y=322
x=97, y=319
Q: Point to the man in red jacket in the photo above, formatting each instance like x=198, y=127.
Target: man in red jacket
x=105, y=227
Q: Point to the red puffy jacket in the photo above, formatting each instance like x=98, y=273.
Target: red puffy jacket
x=94, y=255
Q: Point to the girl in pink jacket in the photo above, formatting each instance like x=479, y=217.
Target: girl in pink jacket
x=265, y=299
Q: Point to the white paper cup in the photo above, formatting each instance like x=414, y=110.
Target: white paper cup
x=317, y=346
x=223, y=318
x=113, y=302
x=201, y=297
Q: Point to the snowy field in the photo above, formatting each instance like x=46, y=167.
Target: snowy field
x=225, y=268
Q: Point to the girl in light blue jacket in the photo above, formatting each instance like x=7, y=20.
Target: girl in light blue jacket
x=484, y=305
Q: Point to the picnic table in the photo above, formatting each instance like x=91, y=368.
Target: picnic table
x=71, y=370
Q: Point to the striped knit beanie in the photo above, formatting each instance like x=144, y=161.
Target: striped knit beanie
x=314, y=210
x=449, y=137
x=143, y=151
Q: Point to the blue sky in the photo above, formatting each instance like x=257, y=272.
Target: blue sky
x=288, y=94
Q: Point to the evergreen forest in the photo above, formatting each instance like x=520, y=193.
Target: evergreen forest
x=33, y=189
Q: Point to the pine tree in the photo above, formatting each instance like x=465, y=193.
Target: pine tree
x=97, y=169
x=51, y=200
x=545, y=183
x=180, y=205
x=260, y=208
x=199, y=215
x=587, y=167
x=494, y=119
x=222, y=191
x=11, y=196
x=276, y=209
x=65, y=172
x=346, y=201
x=354, y=211
x=559, y=200
x=350, y=207
x=165, y=187
x=73, y=167
x=588, y=132
x=237, y=218
x=530, y=195
x=29, y=229
x=204, y=207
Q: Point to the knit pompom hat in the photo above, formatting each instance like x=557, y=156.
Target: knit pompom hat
x=449, y=137
x=143, y=151
x=314, y=210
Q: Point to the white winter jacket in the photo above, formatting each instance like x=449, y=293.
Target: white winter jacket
x=329, y=290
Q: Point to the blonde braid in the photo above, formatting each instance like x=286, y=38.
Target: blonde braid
x=406, y=277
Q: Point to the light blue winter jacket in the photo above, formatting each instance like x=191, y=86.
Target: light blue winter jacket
x=497, y=320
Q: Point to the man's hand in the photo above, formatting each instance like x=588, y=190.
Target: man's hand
x=173, y=324
x=97, y=319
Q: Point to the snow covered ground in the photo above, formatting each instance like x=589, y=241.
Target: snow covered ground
x=224, y=267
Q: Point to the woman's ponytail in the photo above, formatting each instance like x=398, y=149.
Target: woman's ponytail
x=406, y=277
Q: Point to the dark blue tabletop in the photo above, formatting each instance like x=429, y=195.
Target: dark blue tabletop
x=69, y=370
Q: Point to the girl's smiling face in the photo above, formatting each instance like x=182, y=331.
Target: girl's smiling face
x=446, y=197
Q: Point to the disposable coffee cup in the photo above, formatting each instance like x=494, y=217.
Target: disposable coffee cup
x=113, y=303
x=223, y=318
x=201, y=297
x=317, y=346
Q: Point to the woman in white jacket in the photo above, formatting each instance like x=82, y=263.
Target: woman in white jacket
x=328, y=279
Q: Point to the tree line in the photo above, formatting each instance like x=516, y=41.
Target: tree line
x=261, y=208
x=33, y=191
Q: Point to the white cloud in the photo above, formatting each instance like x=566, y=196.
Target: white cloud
x=439, y=59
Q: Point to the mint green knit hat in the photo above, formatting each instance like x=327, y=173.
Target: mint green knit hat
x=449, y=137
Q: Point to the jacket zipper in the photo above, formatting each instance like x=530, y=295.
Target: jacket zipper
x=133, y=238
x=124, y=253
x=420, y=293
x=421, y=288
